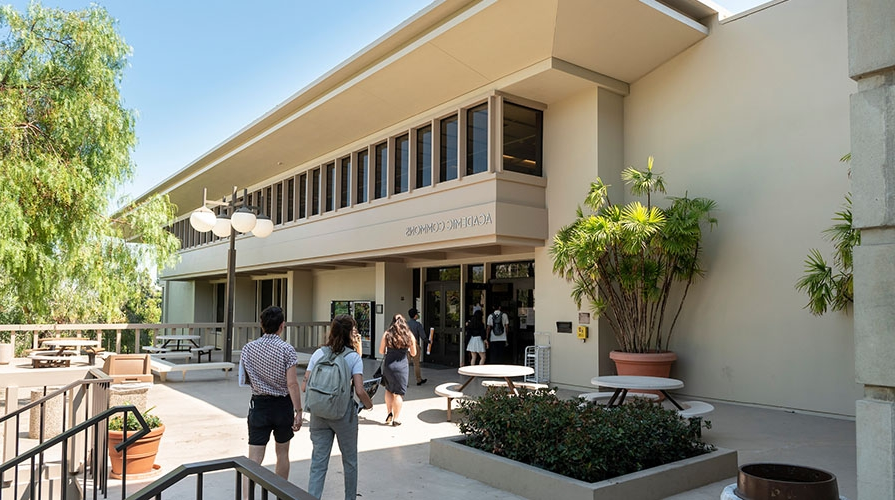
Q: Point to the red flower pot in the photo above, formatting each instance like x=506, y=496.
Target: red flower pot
x=644, y=364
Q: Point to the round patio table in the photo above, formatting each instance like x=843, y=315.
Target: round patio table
x=494, y=371
x=623, y=383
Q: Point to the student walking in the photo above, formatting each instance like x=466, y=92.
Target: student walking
x=498, y=325
x=396, y=344
x=419, y=335
x=339, y=342
x=268, y=365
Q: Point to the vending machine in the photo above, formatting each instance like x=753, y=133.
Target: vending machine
x=364, y=313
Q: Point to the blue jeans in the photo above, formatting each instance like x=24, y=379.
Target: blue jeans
x=322, y=432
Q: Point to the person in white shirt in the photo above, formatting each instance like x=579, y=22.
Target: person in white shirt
x=498, y=328
x=323, y=430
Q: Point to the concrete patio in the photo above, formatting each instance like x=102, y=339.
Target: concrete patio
x=205, y=419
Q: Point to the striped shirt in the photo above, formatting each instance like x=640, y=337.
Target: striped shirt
x=265, y=361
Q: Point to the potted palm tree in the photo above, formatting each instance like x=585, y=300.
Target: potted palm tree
x=633, y=264
x=141, y=454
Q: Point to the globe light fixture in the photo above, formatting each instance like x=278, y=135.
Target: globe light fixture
x=202, y=219
x=263, y=226
x=221, y=227
x=241, y=220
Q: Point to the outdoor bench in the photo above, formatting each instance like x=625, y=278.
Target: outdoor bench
x=695, y=409
x=203, y=351
x=445, y=390
x=162, y=368
x=172, y=355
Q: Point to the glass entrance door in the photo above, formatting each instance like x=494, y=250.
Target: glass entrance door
x=443, y=314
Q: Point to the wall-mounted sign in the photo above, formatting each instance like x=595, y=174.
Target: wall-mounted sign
x=564, y=326
x=449, y=224
x=584, y=318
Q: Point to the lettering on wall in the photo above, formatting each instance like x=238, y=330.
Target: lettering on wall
x=449, y=224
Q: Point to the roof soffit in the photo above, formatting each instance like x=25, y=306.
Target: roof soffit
x=424, y=64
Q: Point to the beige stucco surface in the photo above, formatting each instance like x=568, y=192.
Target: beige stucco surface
x=756, y=118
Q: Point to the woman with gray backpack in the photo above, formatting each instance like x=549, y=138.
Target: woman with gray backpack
x=332, y=371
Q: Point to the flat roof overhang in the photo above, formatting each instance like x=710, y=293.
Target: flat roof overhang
x=451, y=48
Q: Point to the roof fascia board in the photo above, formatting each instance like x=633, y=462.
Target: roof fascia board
x=677, y=16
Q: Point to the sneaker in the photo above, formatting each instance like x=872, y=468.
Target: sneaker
x=421, y=382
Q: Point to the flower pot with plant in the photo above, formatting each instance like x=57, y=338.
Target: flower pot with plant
x=633, y=264
x=141, y=454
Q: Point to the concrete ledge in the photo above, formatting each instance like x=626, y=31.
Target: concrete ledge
x=538, y=484
x=162, y=368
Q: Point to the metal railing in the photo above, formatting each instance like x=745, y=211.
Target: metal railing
x=257, y=475
x=84, y=404
x=302, y=335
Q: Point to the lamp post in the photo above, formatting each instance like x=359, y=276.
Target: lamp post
x=241, y=219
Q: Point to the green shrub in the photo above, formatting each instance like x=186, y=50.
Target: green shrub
x=577, y=439
x=116, y=423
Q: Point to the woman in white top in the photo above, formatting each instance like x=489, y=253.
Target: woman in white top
x=323, y=429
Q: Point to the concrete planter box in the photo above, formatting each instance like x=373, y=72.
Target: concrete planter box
x=534, y=483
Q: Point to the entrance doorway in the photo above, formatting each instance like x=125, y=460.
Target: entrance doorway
x=442, y=313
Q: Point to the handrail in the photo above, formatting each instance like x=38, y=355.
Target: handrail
x=101, y=377
x=72, y=431
x=256, y=474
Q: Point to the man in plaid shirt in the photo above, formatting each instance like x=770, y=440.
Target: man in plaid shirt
x=268, y=364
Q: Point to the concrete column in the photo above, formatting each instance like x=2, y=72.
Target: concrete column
x=872, y=64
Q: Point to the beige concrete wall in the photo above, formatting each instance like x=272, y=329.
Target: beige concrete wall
x=341, y=284
x=204, y=302
x=394, y=290
x=756, y=118
x=179, y=302
x=570, y=163
x=301, y=295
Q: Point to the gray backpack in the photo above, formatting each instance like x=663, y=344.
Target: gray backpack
x=329, y=386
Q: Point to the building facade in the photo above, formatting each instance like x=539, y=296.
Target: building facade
x=433, y=168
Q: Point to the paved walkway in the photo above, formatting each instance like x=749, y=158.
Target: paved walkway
x=205, y=419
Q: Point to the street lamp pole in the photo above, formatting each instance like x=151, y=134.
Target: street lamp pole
x=240, y=220
x=231, y=296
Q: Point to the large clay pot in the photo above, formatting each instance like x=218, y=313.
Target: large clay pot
x=644, y=364
x=140, y=455
x=768, y=481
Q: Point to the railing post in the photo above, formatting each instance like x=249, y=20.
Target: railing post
x=138, y=340
x=117, y=341
x=10, y=430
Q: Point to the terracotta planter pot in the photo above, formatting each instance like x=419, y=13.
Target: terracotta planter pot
x=140, y=455
x=644, y=364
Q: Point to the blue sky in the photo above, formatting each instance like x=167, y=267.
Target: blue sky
x=201, y=71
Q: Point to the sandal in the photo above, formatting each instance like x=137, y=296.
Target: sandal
x=388, y=419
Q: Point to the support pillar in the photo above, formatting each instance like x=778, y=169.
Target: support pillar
x=872, y=65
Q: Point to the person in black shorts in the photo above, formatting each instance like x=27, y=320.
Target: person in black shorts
x=268, y=364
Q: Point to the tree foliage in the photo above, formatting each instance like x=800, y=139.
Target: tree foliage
x=65, y=144
x=625, y=260
x=831, y=286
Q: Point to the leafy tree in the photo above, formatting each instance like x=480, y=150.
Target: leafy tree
x=832, y=286
x=65, y=143
x=625, y=260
